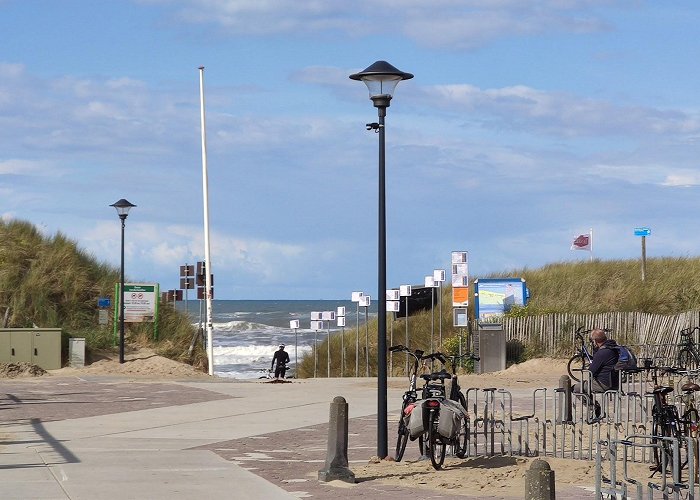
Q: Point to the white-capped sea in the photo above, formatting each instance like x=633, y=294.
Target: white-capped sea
x=248, y=332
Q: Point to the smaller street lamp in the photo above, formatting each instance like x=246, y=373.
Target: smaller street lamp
x=122, y=206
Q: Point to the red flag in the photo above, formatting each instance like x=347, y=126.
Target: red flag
x=582, y=242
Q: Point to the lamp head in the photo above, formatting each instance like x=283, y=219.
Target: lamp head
x=381, y=79
x=122, y=206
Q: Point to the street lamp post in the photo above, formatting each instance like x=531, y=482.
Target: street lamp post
x=122, y=206
x=381, y=79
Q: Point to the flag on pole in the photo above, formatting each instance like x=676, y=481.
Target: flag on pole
x=582, y=242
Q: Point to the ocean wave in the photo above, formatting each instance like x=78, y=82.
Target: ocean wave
x=251, y=355
x=242, y=326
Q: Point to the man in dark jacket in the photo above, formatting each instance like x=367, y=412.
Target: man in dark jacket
x=605, y=376
x=282, y=358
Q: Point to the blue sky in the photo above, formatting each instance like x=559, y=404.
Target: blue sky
x=527, y=123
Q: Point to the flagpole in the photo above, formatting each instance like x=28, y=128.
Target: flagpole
x=207, y=246
x=590, y=236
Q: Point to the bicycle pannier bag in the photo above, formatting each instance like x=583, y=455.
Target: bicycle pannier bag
x=448, y=424
x=626, y=359
x=415, y=421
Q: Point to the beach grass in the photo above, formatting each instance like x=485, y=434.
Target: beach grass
x=48, y=282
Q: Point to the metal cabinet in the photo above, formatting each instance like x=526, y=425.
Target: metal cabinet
x=38, y=346
x=490, y=346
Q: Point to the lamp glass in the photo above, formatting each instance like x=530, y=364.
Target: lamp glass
x=381, y=84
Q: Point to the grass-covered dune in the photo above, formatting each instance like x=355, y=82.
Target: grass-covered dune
x=49, y=282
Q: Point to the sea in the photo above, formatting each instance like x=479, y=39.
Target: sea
x=246, y=333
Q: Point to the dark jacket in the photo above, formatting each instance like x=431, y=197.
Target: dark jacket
x=281, y=357
x=603, y=365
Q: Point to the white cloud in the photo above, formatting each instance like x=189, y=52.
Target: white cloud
x=463, y=24
x=557, y=113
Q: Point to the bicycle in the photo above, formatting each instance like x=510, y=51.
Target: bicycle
x=583, y=358
x=688, y=355
x=434, y=394
x=460, y=446
x=667, y=423
x=409, y=400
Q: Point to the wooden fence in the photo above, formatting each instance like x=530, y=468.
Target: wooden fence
x=653, y=335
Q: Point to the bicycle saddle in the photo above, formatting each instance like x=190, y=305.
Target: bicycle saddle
x=690, y=387
x=662, y=390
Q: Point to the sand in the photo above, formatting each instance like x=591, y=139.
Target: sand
x=139, y=362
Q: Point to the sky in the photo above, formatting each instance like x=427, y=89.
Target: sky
x=527, y=123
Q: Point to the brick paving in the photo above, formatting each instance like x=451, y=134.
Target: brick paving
x=57, y=398
x=292, y=459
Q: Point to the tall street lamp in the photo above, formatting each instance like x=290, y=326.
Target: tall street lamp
x=122, y=206
x=381, y=79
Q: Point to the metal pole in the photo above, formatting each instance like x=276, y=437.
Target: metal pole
x=328, y=350
x=406, y=344
x=121, y=298
x=440, y=315
x=432, y=317
x=342, y=351
x=357, y=343
x=296, y=358
x=366, y=344
x=391, y=342
x=644, y=257
x=207, y=246
x=315, y=351
x=382, y=432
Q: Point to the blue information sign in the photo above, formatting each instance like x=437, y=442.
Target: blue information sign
x=103, y=302
x=642, y=231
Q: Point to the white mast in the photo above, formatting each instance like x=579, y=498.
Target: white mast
x=207, y=246
x=590, y=240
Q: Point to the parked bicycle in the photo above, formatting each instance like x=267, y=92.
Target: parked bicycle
x=688, y=355
x=668, y=423
x=584, y=355
x=409, y=399
x=434, y=395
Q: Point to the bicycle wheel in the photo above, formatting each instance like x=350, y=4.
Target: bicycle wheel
x=577, y=363
x=437, y=445
x=402, y=438
x=663, y=454
x=688, y=360
x=460, y=442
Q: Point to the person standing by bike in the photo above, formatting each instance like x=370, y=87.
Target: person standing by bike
x=281, y=358
x=604, y=375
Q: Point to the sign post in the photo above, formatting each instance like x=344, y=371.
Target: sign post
x=643, y=232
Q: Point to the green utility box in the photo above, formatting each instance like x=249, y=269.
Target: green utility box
x=38, y=346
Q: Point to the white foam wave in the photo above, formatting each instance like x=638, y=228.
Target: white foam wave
x=242, y=326
x=251, y=354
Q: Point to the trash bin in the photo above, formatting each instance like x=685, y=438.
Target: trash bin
x=490, y=346
x=76, y=352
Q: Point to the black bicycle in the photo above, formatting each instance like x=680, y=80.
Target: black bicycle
x=688, y=354
x=667, y=423
x=434, y=394
x=584, y=355
x=409, y=400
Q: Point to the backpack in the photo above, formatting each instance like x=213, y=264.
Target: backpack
x=626, y=359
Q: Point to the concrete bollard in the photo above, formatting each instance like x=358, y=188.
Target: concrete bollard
x=539, y=481
x=565, y=399
x=337, y=454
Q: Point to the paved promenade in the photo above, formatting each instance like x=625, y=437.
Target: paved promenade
x=104, y=437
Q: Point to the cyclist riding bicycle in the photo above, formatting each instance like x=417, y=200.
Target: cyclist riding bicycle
x=281, y=358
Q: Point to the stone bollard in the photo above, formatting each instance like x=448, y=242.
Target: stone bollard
x=565, y=399
x=337, y=454
x=539, y=481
